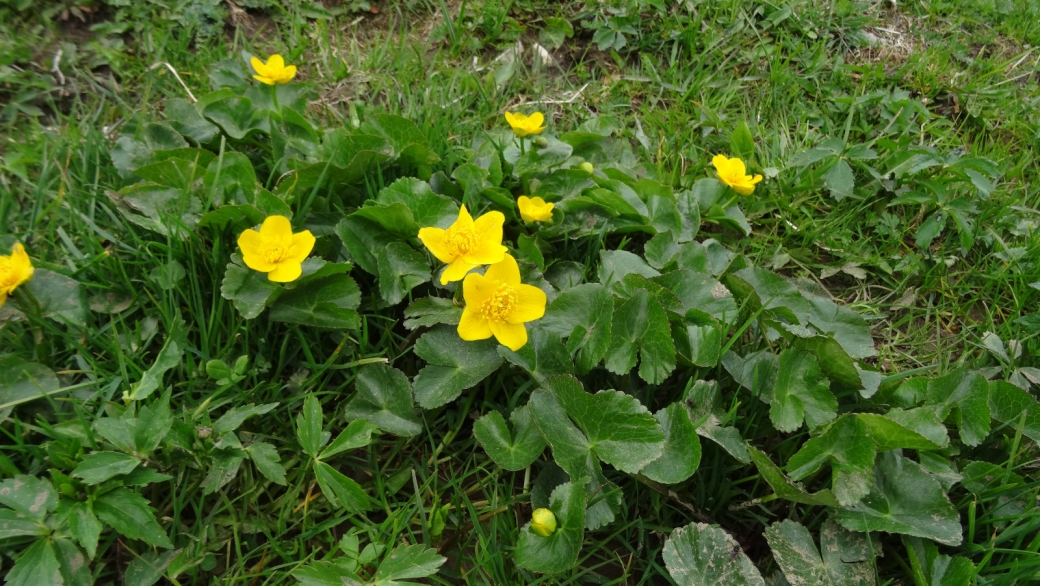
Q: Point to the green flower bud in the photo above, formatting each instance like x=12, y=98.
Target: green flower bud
x=540, y=142
x=587, y=167
x=543, y=522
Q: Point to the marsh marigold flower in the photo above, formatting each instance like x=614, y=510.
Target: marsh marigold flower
x=466, y=244
x=732, y=172
x=534, y=209
x=15, y=269
x=543, y=522
x=524, y=125
x=273, y=71
x=498, y=304
x=275, y=250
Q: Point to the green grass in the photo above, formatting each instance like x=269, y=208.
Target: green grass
x=967, y=70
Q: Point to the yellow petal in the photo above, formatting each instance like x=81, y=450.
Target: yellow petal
x=464, y=221
x=476, y=289
x=435, y=240
x=275, y=64
x=736, y=167
x=512, y=336
x=489, y=252
x=276, y=230
x=743, y=188
x=473, y=326
x=3, y=298
x=756, y=179
x=506, y=272
x=288, y=74
x=251, y=244
x=263, y=79
x=514, y=120
x=21, y=264
x=535, y=120
x=456, y=271
x=530, y=304
x=489, y=226
x=285, y=272
x=258, y=66
x=720, y=162
x=302, y=245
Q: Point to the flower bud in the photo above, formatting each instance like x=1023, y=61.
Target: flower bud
x=540, y=142
x=204, y=432
x=543, y=522
x=587, y=167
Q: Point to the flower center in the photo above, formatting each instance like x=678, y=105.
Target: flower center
x=501, y=304
x=461, y=241
x=273, y=253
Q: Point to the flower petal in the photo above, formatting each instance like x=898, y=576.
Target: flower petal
x=535, y=120
x=258, y=66
x=464, y=221
x=488, y=253
x=3, y=298
x=720, y=162
x=288, y=74
x=285, y=271
x=506, y=272
x=489, y=226
x=277, y=230
x=756, y=179
x=530, y=304
x=473, y=326
x=251, y=244
x=263, y=79
x=476, y=289
x=275, y=64
x=436, y=241
x=456, y=270
x=512, y=336
x=302, y=245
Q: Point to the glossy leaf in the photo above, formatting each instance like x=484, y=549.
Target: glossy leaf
x=384, y=398
x=641, y=324
x=699, y=554
x=559, y=551
x=326, y=303
x=843, y=559
x=847, y=446
x=802, y=392
x=129, y=513
x=453, y=365
x=512, y=450
x=583, y=315
x=682, y=449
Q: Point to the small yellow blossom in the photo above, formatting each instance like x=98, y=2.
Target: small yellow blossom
x=15, y=269
x=273, y=71
x=534, y=209
x=466, y=244
x=732, y=172
x=524, y=125
x=497, y=304
x=275, y=250
x=543, y=522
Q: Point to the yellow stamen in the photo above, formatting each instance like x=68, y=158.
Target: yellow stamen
x=501, y=304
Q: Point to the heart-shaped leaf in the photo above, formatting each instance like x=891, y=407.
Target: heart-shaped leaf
x=559, y=551
x=699, y=554
x=453, y=365
x=514, y=450
x=384, y=398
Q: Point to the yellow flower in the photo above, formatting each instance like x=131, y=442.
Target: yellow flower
x=275, y=250
x=273, y=71
x=466, y=244
x=543, y=522
x=15, y=269
x=732, y=172
x=534, y=209
x=523, y=125
x=497, y=304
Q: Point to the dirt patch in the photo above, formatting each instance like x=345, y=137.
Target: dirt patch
x=891, y=42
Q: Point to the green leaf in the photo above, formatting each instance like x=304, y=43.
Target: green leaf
x=36, y=566
x=265, y=458
x=61, y=299
x=406, y=562
x=1014, y=407
x=682, y=450
x=29, y=496
x=571, y=449
x=249, y=290
x=833, y=360
x=384, y=398
x=704, y=403
x=128, y=513
x=340, y=490
x=847, y=446
x=615, y=265
x=358, y=434
x=620, y=430
x=914, y=429
x=408, y=142
x=542, y=357
x=237, y=117
x=845, y=561
x=700, y=554
x=756, y=372
x=395, y=218
x=582, y=314
x=742, y=142
x=401, y=269
x=430, y=311
x=453, y=365
x=542, y=160
x=930, y=229
x=559, y=551
x=225, y=464
x=512, y=451
x=843, y=324
x=427, y=208
x=326, y=303
x=969, y=393
x=231, y=179
x=641, y=324
x=309, y=427
x=153, y=422
x=785, y=488
x=802, y=392
x=556, y=30
x=839, y=180
x=325, y=574
x=22, y=381
x=905, y=499
x=84, y=527
x=168, y=358
x=149, y=568
x=185, y=119
x=364, y=239
x=75, y=570
x=13, y=524
x=99, y=467
x=236, y=416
